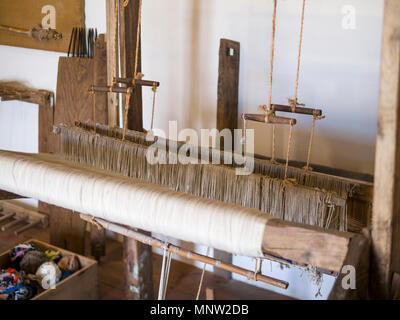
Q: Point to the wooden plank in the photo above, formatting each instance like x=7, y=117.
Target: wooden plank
x=228, y=84
x=128, y=32
x=386, y=204
x=74, y=102
x=227, y=111
x=113, y=101
x=137, y=256
x=358, y=258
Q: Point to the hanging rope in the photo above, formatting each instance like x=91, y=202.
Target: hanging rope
x=115, y=44
x=127, y=104
x=165, y=270
x=288, y=150
x=294, y=102
x=135, y=75
x=202, y=276
x=257, y=268
x=154, y=106
x=307, y=167
x=94, y=108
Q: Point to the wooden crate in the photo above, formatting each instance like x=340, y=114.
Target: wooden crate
x=82, y=285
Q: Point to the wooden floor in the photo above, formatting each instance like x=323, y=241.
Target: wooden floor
x=183, y=282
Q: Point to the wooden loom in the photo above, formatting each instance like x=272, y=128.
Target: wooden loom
x=354, y=248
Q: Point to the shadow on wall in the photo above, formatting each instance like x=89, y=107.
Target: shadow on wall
x=350, y=153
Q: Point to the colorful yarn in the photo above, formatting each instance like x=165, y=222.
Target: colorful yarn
x=32, y=260
x=18, y=252
x=53, y=256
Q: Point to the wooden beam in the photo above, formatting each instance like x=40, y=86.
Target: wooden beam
x=128, y=31
x=137, y=256
x=386, y=205
x=98, y=236
x=304, y=244
x=4, y=195
x=227, y=111
x=358, y=258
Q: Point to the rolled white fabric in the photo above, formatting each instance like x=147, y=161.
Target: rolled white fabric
x=133, y=203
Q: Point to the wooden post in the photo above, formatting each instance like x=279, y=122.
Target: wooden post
x=137, y=256
x=227, y=110
x=112, y=60
x=386, y=215
x=128, y=31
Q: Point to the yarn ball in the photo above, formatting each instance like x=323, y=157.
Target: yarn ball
x=69, y=263
x=18, y=252
x=53, y=256
x=32, y=260
x=48, y=274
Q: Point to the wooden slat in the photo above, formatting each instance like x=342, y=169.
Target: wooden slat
x=386, y=217
x=357, y=257
x=228, y=84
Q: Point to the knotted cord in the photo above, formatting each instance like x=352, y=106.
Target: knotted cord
x=165, y=270
x=202, y=276
x=307, y=167
x=294, y=102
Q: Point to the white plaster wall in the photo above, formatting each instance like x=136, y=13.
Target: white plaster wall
x=340, y=73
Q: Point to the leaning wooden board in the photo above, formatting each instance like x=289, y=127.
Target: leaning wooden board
x=82, y=285
x=61, y=15
x=74, y=102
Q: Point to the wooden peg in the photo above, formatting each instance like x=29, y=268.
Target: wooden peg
x=28, y=226
x=145, y=83
x=6, y=217
x=272, y=119
x=11, y=224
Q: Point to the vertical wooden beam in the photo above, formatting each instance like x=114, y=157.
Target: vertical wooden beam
x=227, y=110
x=128, y=34
x=137, y=257
x=98, y=236
x=112, y=62
x=386, y=215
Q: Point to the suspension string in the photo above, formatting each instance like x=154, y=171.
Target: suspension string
x=202, y=276
x=270, y=107
x=94, y=109
x=294, y=102
x=127, y=103
x=154, y=106
x=163, y=272
x=307, y=167
x=168, y=268
x=288, y=149
x=271, y=72
x=115, y=42
x=257, y=268
x=137, y=42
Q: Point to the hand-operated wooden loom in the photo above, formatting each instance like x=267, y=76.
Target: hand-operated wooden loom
x=315, y=218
